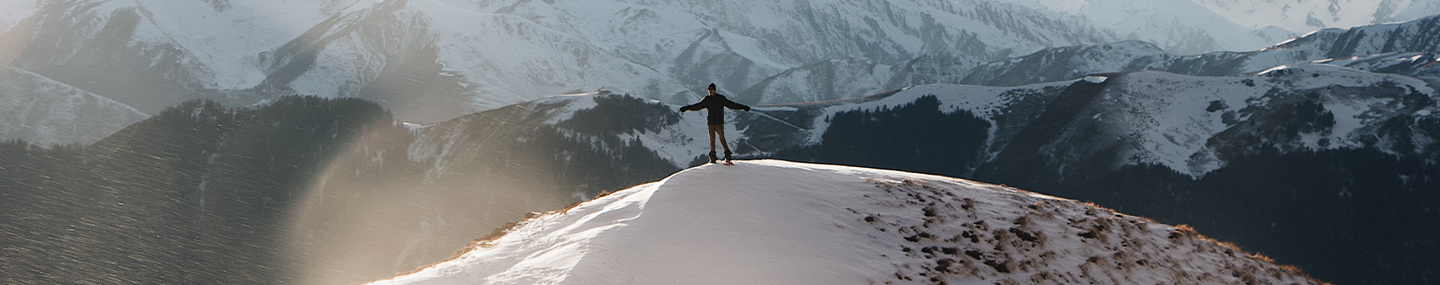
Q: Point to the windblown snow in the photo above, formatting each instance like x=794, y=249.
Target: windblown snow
x=778, y=222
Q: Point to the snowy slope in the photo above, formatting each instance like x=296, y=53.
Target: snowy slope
x=1174, y=120
x=777, y=222
x=853, y=78
x=14, y=11
x=1410, y=36
x=156, y=54
x=1192, y=124
x=1189, y=123
x=458, y=54
x=1063, y=63
x=1179, y=26
x=1302, y=16
x=44, y=112
x=504, y=52
x=1416, y=64
x=229, y=36
x=224, y=38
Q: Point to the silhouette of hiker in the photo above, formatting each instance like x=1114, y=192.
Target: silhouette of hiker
x=716, y=103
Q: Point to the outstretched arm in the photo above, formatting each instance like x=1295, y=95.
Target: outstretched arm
x=736, y=106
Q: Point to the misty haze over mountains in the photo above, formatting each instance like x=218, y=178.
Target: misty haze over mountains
x=434, y=60
x=165, y=142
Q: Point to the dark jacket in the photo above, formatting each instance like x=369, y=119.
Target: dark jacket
x=716, y=104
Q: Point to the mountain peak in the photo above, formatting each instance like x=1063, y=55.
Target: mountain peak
x=772, y=221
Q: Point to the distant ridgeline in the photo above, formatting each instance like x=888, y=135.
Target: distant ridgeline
x=311, y=190
x=201, y=194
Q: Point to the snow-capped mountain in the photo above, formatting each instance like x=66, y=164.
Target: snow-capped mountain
x=42, y=111
x=771, y=221
x=846, y=78
x=1336, y=46
x=660, y=50
x=1191, y=124
x=154, y=54
x=431, y=60
x=1302, y=16
x=1179, y=26
x=1420, y=65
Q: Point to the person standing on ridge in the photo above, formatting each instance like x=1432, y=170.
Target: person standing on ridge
x=715, y=123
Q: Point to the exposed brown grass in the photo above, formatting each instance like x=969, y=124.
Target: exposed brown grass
x=1232, y=249
x=577, y=204
x=482, y=242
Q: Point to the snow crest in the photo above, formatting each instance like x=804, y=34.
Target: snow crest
x=777, y=222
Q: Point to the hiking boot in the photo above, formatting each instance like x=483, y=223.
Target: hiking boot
x=712, y=156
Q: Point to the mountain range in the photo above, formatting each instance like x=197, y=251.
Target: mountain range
x=311, y=179
x=433, y=60
x=1318, y=151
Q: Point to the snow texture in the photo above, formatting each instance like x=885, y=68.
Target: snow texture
x=226, y=37
x=15, y=10
x=1302, y=16
x=1172, y=119
x=777, y=222
x=45, y=112
x=1180, y=26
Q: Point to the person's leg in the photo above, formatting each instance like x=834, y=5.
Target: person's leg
x=710, y=129
x=720, y=129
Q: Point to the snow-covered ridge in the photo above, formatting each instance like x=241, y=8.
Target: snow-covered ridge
x=1304, y=15
x=1181, y=121
x=1181, y=26
x=1191, y=124
x=778, y=222
x=1176, y=119
x=1334, y=46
